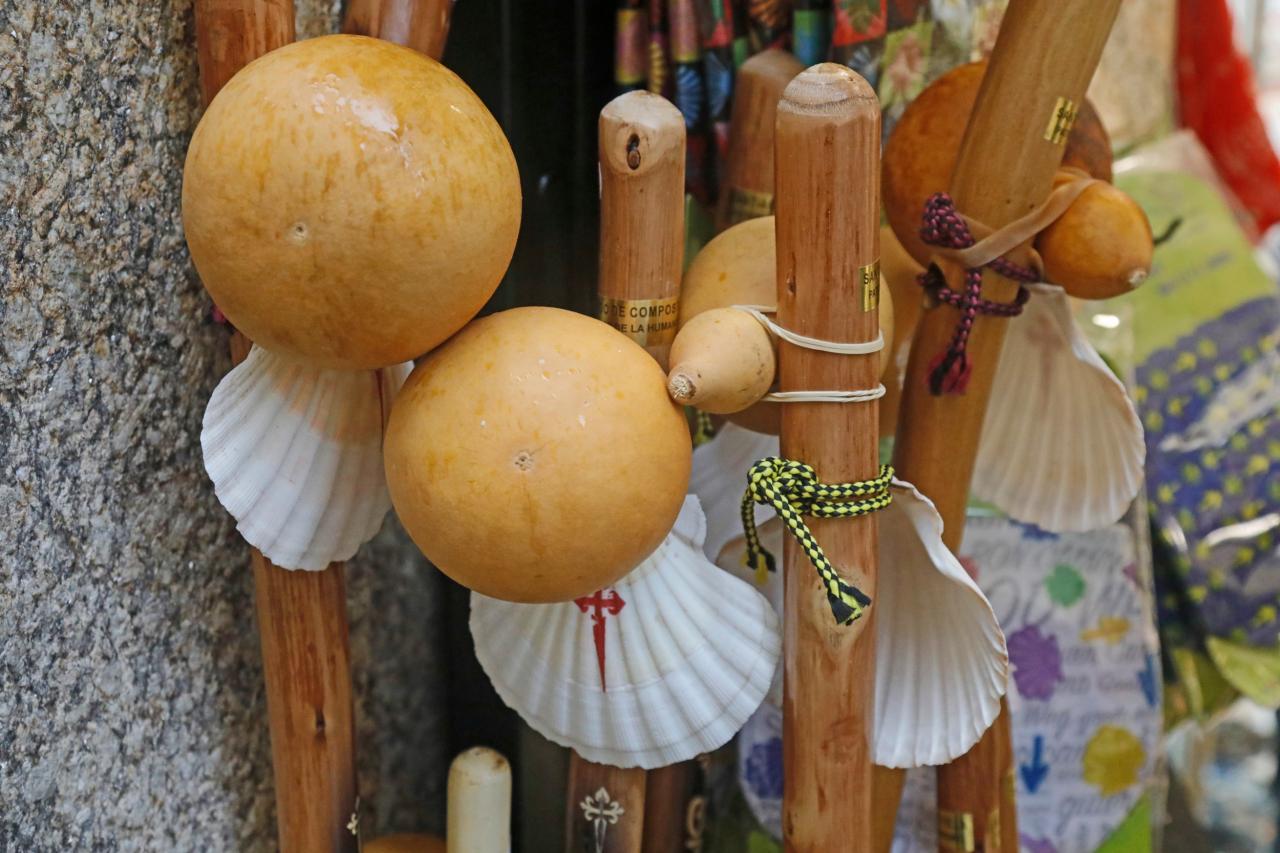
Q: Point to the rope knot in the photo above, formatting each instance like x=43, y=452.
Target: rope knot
x=945, y=227
x=793, y=489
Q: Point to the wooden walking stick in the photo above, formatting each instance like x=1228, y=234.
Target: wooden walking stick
x=673, y=808
x=302, y=616
x=747, y=191
x=827, y=179
x=641, y=218
x=641, y=255
x=420, y=24
x=1042, y=63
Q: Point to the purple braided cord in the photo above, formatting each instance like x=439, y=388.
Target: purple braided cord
x=945, y=227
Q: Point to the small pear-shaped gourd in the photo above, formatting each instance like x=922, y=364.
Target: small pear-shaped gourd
x=1100, y=247
x=723, y=361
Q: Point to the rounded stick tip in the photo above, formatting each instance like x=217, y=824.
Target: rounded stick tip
x=774, y=62
x=638, y=129
x=479, y=765
x=824, y=88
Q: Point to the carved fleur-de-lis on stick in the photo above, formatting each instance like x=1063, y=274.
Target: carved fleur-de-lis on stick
x=353, y=825
x=603, y=812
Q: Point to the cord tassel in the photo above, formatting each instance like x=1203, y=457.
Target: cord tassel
x=943, y=226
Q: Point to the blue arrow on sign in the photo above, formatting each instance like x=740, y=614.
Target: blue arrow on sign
x=1147, y=680
x=1033, y=774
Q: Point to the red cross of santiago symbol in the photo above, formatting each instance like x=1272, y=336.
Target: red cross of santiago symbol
x=601, y=604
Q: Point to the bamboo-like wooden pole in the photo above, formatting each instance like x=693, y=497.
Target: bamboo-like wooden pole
x=1042, y=63
x=302, y=616
x=828, y=198
x=747, y=190
x=641, y=149
x=420, y=24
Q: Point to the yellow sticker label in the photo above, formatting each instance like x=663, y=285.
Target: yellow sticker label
x=993, y=830
x=869, y=282
x=955, y=831
x=1061, y=121
x=747, y=204
x=648, y=322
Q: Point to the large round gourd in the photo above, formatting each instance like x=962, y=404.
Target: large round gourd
x=349, y=201
x=536, y=456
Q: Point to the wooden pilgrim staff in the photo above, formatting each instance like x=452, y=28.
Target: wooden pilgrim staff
x=420, y=24
x=641, y=146
x=827, y=184
x=302, y=616
x=1043, y=60
x=747, y=191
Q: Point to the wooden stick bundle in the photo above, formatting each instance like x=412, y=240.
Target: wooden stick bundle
x=827, y=177
x=1043, y=60
x=302, y=616
x=642, y=154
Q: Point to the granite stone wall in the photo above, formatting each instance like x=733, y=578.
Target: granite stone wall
x=132, y=711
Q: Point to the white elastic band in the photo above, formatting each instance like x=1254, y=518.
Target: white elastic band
x=825, y=396
x=806, y=342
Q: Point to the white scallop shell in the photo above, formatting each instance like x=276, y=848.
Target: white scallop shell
x=1062, y=445
x=687, y=658
x=941, y=661
x=295, y=455
x=719, y=479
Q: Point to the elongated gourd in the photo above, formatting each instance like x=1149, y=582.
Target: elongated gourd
x=737, y=268
x=724, y=362
x=1100, y=247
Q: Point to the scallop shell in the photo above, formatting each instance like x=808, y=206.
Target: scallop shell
x=1062, y=445
x=666, y=664
x=719, y=479
x=941, y=661
x=295, y=455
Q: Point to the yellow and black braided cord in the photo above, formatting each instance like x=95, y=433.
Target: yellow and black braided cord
x=794, y=491
x=703, y=428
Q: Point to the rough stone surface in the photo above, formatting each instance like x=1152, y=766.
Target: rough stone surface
x=132, y=710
